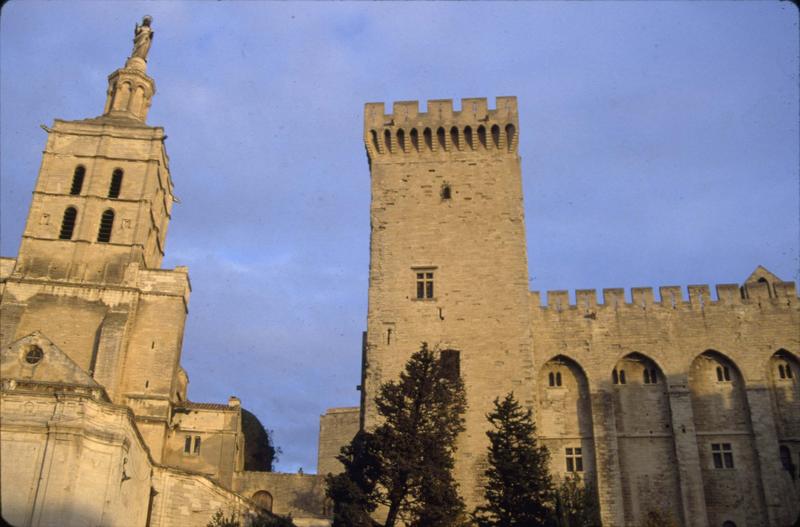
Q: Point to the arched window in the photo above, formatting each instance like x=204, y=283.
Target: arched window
x=646, y=376
x=622, y=376
x=401, y=140
x=387, y=140
x=786, y=461
x=415, y=139
x=558, y=378
x=68, y=223
x=428, y=136
x=551, y=378
x=77, y=180
x=454, y=138
x=440, y=139
x=106, y=223
x=116, y=184
x=510, y=131
x=723, y=374
x=468, y=137
x=496, y=136
x=781, y=371
x=614, y=376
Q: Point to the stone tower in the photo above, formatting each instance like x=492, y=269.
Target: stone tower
x=448, y=261
x=88, y=274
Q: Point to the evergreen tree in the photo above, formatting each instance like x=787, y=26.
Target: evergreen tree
x=519, y=490
x=576, y=503
x=406, y=463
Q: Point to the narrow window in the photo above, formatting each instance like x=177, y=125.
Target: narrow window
x=187, y=445
x=482, y=135
x=387, y=140
x=106, y=223
x=726, y=373
x=77, y=180
x=441, y=139
x=788, y=371
x=646, y=376
x=468, y=137
x=558, y=378
x=451, y=364
x=388, y=336
x=401, y=140
x=786, y=461
x=428, y=136
x=116, y=184
x=196, y=444
x=454, y=138
x=415, y=139
x=574, y=457
x=424, y=284
x=653, y=376
x=446, y=192
x=496, y=136
x=719, y=374
x=68, y=223
x=615, y=376
x=722, y=454
x=622, y=376
x=781, y=371
x=510, y=131
x=552, y=379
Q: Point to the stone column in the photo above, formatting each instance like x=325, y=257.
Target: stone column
x=687, y=456
x=609, y=485
x=776, y=487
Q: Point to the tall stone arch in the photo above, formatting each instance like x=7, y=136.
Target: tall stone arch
x=783, y=382
x=725, y=442
x=645, y=439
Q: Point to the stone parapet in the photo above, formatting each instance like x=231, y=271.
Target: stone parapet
x=441, y=131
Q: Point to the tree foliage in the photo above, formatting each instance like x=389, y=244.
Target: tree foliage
x=576, y=503
x=405, y=465
x=519, y=490
x=249, y=520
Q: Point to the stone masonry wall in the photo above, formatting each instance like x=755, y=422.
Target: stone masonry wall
x=337, y=427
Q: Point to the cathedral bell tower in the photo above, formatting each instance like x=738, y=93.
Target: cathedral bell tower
x=104, y=193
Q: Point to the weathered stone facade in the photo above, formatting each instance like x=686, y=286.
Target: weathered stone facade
x=689, y=406
x=95, y=427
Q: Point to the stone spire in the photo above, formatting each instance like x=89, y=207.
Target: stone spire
x=130, y=90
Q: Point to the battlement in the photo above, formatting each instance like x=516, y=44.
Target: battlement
x=670, y=297
x=441, y=130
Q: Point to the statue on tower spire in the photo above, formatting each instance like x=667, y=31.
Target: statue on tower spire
x=142, y=38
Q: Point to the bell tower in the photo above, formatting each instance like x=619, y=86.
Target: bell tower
x=104, y=194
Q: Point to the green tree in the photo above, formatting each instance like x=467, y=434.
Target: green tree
x=519, y=490
x=406, y=463
x=576, y=503
x=264, y=519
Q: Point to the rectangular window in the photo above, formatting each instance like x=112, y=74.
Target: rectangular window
x=722, y=453
x=424, y=283
x=574, y=457
x=191, y=446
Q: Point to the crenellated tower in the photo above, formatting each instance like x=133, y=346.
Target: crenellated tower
x=448, y=261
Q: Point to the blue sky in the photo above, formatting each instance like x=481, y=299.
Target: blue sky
x=659, y=146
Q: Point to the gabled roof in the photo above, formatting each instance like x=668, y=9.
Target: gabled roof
x=762, y=272
x=35, y=358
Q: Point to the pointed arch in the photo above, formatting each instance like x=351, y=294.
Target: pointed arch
x=401, y=140
x=441, y=141
x=115, y=187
